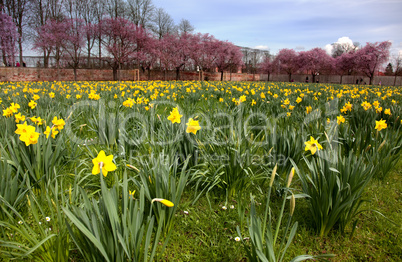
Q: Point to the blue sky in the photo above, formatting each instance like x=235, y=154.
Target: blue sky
x=297, y=24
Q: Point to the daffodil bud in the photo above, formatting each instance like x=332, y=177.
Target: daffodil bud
x=292, y=172
x=273, y=176
x=382, y=144
x=292, y=204
x=163, y=201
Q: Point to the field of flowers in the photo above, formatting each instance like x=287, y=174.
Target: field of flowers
x=195, y=171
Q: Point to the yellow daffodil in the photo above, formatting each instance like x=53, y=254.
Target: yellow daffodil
x=35, y=97
x=104, y=163
x=175, y=116
x=14, y=107
x=387, y=111
x=51, y=95
x=32, y=104
x=308, y=109
x=192, y=126
x=7, y=112
x=54, y=132
x=58, y=123
x=19, y=117
x=340, y=119
x=163, y=201
x=380, y=125
x=312, y=145
x=24, y=129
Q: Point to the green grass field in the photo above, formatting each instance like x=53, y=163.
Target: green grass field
x=199, y=171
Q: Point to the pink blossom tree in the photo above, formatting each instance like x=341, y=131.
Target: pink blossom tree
x=51, y=38
x=123, y=41
x=267, y=66
x=8, y=38
x=371, y=57
x=150, y=55
x=204, y=49
x=175, y=51
x=228, y=57
x=345, y=64
x=286, y=60
x=315, y=61
x=74, y=42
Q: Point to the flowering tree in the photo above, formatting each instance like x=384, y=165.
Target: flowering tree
x=286, y=60
x=150, y=55
x=267, y=65
x=371, y=57
x=345, y=64
x=123, y=42
x=315, y=61
x=74, y=42
x=203, y=52
x=228, y=56
x=51, y=38
x=8, y=38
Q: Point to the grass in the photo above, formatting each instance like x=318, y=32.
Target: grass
x=208, y=235
x=226, y=164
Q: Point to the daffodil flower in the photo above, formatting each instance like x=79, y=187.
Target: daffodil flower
x=380, y=125
x=104, y=163
x=175, y=116
x=192, y=126
x=163, y=201
x=312, y=145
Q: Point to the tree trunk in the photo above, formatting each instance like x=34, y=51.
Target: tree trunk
x=396, y=71
x=290, y=77
x=268, y=76
x=340, y=82
x=222, y=75
x=177, y=73
x=75, y=73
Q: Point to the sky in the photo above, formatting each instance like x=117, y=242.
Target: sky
x=297, y=24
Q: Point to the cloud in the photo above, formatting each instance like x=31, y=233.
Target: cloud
x=344, y=41
x=328, y=48
x=264, y=47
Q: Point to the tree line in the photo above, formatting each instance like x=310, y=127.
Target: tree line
x=137, y=33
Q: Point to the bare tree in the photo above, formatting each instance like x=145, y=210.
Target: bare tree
x=162, y=23
x=140, y=12
x=116, y=8
x=17, y=10
x=185, y=27
x=398, y=66
x=39, y=13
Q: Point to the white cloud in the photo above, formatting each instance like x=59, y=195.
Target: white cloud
x=344, y=41
x=328, y=48
x=264, y=47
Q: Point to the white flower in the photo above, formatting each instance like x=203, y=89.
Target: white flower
x=20, y=222
x=237, y=239
x=224, y=208
x=185, y=212
x=47, y=219
x=232, y=207
x=40, y=223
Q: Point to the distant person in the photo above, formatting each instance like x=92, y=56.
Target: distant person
x=18, y=64
x=357, y=81
x=306, y=79
x=23, y=64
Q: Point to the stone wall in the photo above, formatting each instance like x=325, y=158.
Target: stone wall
x=50, y=74
x=336, y=79
x=13, y=74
